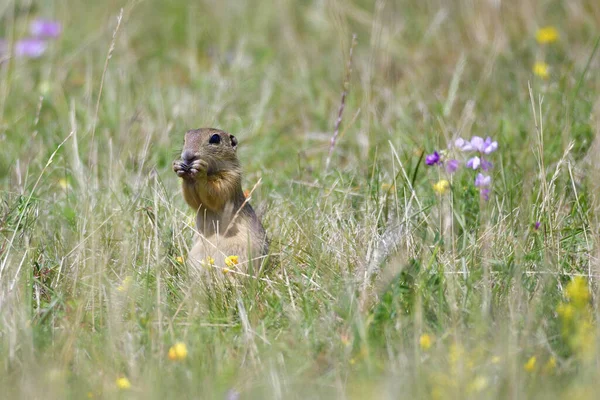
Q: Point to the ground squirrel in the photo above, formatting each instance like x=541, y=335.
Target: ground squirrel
x=212, y=185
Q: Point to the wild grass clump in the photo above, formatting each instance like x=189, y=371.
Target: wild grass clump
x=435, y=230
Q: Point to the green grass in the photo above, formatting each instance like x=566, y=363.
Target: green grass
x=370, y=258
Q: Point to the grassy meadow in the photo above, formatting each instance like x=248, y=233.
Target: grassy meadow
x=395, y=279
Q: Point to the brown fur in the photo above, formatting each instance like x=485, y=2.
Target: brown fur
x=227, y=224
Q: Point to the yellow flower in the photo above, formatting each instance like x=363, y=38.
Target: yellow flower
x=584, y=340
x=63, y=183
x=226, y=270
x=547, y=34
x=123, y=383
x=577, y=292
x=550, y=365
x=231, y=261
x=565, y=311
x=178, y=352
x=540, y=68
x=125, y=285
x=441, y=187
x=179, y=259
x=208, y=262
x=425, y=341
x=496, y=360
x=530, y=364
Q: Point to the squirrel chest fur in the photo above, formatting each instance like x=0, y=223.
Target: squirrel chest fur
x=212, y=185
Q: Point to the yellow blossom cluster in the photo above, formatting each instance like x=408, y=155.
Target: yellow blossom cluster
x=576, y=318
x=441, y=186
x=461, y=375
x=123, y=383
x=425, y=341
x=541, y=69
x=125, y=284
x=230, y=261
x=577, y=292
x=532, y=365
x=178, y=352
x=545, y=35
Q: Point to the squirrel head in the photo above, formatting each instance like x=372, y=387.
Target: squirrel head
x=216, y=147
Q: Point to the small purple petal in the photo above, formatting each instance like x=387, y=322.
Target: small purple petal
x=32, y=48
x=477, y=143
x=487, y=142
x=432, y=159
x=486, y=165
x=485, y=194
x=463, y=144
x=42, y=28
x=482, y=180
x=489, y=146
x=474, y=162
x=452, y=166
x=537, y=225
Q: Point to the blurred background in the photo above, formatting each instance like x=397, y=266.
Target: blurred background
x=395, y=278
x=272, y=73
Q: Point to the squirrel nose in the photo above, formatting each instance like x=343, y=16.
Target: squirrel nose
x=188, y=156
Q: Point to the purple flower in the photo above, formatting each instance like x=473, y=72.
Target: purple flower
x=452, y=166
x=537, y=225
x=474, y=162
x=482, y=180
x=486, y=165
x=432, y=159
x=485, y=194
x=489, y=146
x=463, y=144
x=486, y=146
x=477, y=143
x=31, y=47
x=43, y=28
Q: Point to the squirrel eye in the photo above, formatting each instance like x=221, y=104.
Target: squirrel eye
x=215, y=139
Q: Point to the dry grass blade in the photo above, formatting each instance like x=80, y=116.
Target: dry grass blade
x=346, y=86
x=106, y=61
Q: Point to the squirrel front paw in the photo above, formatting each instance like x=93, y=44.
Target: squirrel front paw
x=198, y=166
x=180, y=168
x=184, y=170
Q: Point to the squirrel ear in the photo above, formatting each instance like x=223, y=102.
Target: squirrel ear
x=234, y=141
